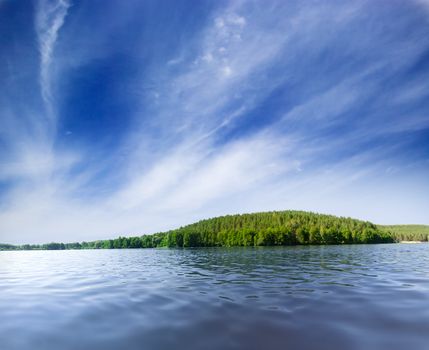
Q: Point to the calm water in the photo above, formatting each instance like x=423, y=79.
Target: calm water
x=335, y=297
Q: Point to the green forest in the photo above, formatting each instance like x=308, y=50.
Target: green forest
x=276, y=228
x=408, y=232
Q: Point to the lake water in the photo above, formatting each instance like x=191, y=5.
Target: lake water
x=330, y=297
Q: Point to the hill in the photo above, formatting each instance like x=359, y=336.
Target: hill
x=276, y=228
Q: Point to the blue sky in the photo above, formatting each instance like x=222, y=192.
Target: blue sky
x=130, y=117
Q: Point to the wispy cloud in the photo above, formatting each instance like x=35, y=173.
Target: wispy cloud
x=28, y=131
x=49, y=20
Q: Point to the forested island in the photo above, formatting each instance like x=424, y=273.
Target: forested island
x=276, y=228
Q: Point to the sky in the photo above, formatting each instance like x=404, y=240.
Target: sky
x=133, y=117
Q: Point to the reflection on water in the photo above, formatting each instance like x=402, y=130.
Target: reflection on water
x=334, y=297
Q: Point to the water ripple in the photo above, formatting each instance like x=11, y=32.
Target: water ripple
x=336, y=297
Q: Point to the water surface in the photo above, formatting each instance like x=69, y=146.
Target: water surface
x=329, y=297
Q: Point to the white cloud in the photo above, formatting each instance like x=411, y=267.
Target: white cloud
x=207, y=57
x=226, y=71
x=49, y=20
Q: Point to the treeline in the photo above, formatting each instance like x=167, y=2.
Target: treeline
x=408, y=232
x=147, y=241
x=258, y=229
x=8, y=247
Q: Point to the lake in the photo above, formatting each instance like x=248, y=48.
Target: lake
x=319, y=297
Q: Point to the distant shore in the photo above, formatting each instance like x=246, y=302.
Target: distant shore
x=275, y=228
x=411, y=242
